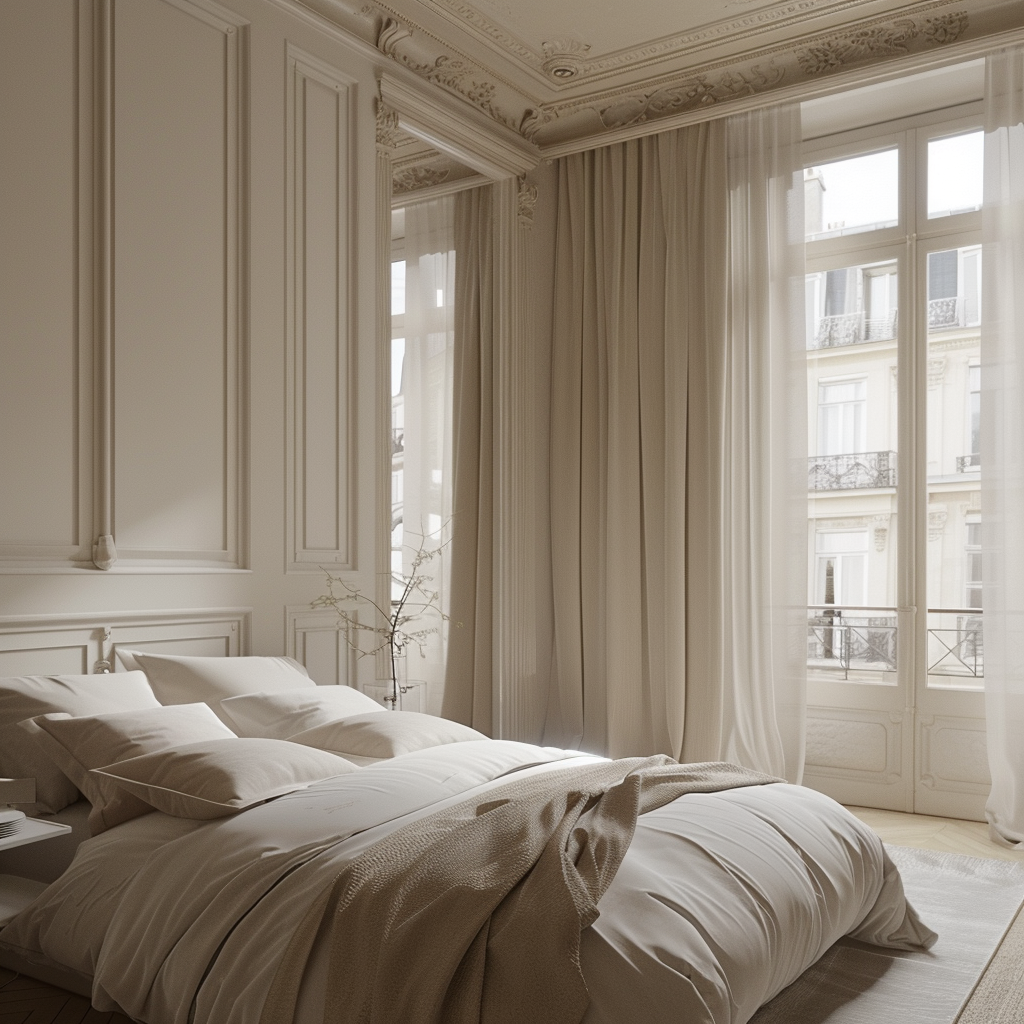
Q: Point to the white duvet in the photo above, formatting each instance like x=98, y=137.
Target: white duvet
x=722, y=900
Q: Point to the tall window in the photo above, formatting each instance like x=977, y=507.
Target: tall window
x=892, y=219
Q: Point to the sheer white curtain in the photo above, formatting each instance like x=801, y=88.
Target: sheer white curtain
x=678, y=448
x=1002, y=439
x=422, y=367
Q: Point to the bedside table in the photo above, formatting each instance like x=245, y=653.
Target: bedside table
x=17, y=893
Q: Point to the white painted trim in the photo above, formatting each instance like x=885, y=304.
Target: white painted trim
x=304, y=67
x=459, y=130
x=888, y=70
x=446, y=188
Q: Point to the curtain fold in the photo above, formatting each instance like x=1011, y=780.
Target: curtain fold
x=422, y=388
x=468, y=692
x=1002, y=439
x=678, y=463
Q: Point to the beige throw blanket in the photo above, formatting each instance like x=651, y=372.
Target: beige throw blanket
x=473, y=915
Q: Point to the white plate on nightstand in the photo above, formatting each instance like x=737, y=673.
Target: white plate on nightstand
x=10, y=822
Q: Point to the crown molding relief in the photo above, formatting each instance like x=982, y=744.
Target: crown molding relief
x=563, y=97
x=800, y=65
x=320, y=324
x=462, y=133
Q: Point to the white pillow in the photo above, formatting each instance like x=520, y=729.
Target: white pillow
x=23, y=697
x=220, y=777
x=180, y=679
x=77, y=745
x=280, y=715
x=385, y=734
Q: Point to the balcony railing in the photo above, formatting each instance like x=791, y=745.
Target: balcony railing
x=862, y=642
x=965, y=463
x=947, y=314
x=857, y=640
x=956, y=643
x=853, y=329
x=851, y=472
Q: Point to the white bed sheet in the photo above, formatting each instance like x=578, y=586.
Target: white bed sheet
x=721, y=901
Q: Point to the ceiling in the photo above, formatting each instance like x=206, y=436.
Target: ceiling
x=559, y=75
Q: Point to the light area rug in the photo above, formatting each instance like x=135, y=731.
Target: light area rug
x=969, y=902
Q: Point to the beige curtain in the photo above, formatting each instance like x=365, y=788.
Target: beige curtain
x=1002, y=440
x=468, y=691
x=678, y=455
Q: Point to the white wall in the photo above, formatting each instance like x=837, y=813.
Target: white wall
x=187, y=345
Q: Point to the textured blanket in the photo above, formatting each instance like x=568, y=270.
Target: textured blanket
x=474, y=914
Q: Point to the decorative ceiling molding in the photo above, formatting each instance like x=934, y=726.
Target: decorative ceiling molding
x=557, y=95
x=460, y=132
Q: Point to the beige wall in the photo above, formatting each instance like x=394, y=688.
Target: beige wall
x=187, y=348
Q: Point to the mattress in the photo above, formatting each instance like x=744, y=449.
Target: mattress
x=721, y=901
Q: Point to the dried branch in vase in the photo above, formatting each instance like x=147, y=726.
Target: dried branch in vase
x=392, y=629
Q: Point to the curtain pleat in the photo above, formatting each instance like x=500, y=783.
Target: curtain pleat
x=468, y=692
x=677, y=579
x=1002, y=439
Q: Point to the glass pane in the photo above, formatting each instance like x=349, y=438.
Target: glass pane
x=852, y=305
x=955, y=177
x=848, y=196
x=955, y=638
x=398, y=288
x=851, y=478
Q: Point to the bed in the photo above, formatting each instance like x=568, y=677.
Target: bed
x=269, y=850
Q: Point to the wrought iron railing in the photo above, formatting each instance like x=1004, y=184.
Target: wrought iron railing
x=949, y=313
x=851, y=472
x=853, y=329
x=965, y=463
x=851, y=640
x=956, y=646
x=862, y=640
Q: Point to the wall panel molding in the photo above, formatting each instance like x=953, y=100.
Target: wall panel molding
x=314, y=638
x=320, y=314
x=85, y=643
x=179, y=362
x=853, y=752
x=61, y=480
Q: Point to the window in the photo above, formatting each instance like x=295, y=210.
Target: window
x=842, y=417
x=842, y=567
x=972, y=575
x=849, y=196
x=878, y=380
x=973, y=417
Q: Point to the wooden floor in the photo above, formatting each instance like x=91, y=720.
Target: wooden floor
x=24, y=1001
x=927, y=833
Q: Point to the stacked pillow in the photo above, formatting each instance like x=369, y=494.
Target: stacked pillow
x=23, y=697
x=341, y=720
x=195, y=737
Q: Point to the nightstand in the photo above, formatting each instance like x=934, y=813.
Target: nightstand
x=17, y=893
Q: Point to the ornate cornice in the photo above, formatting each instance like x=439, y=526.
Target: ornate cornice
x=456, y=74
x=388, y=131
x=412, y=178
x=759, y=72
x=526, y=202
x=559, y=95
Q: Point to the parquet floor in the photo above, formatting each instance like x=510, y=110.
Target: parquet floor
x=925, y=832
x=24, y=1001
